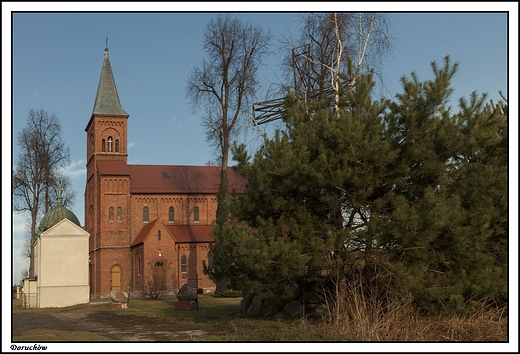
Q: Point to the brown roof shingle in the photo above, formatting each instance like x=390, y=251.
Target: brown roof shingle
x=191, y=233
x=179, y=233
x=171, y=178
x=181, y=179
x=113, y=167
x=141, y=236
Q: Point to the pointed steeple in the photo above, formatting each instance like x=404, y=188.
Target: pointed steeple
x=107, y=99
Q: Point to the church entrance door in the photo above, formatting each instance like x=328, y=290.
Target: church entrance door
x=115, y=280
x=159, y=276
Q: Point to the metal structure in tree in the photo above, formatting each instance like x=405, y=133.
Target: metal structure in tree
x=306, y=87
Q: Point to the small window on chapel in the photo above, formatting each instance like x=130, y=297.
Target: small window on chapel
x=103, y=145
x=159, y=235
x=111, y=214
x=117, y=145
x=119, y=214
x=145, y=214
x=110, y=144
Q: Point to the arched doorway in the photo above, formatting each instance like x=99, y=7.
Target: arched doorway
x=115, y=278
x=159, y=276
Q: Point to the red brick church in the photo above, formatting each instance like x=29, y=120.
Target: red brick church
x=149, y=225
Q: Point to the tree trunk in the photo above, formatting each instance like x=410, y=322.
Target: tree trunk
x=34, y=231
x=222, y=197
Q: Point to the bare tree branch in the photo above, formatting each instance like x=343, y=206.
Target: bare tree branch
x=226, y=84
x=36, y=173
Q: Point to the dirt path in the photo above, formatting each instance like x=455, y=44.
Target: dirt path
x=108, y=324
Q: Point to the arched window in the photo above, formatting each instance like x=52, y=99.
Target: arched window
x=196, y=214
x=111, y=214
x=109, y=144
x=119, y=214
x=184, y=266
x=103, y=145
x=171, y=214
x=138, y=265
x=145, y=214
x=117, y=145
x=159, y=235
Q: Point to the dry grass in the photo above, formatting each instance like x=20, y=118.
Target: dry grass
x=364, y=318
x=486, y=324
x=389, y=318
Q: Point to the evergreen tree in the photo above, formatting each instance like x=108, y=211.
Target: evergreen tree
x=310, y=188
x=403, y=191
x=447, y=210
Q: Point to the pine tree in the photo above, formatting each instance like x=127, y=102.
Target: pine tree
x=310, y=188
x=448, y=208
x=402, y=192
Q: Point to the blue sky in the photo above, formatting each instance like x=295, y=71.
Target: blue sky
x=57, y=59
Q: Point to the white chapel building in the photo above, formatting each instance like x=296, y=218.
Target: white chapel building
x=61, y=262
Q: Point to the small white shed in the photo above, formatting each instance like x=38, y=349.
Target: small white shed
x=61, y=262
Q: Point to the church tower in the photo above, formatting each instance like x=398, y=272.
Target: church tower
x=107, y=191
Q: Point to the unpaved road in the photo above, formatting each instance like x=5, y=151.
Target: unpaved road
x=111, y=326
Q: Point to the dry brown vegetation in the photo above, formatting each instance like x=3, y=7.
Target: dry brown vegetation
x=363, y=320
x=373, y=318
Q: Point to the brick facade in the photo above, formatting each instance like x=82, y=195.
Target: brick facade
x=149, y=224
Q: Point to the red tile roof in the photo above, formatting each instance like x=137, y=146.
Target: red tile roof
x=113, y=167
x=180, y=179
x=179, y=233
x=172, y=179
x=191, y=233
x=141, y=236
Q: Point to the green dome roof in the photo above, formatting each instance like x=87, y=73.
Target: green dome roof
x=56, y=215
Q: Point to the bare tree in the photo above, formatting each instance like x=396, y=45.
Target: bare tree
x=67, y=199
x=328, y=40
x=24, y=273
x=321, y=56
x=68, y=194
x=26, y=249
x=36, y=174
x=156, y=287
x=225, y=84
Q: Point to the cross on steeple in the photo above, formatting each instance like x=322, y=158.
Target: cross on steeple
x=59, y=190
x=106, y=47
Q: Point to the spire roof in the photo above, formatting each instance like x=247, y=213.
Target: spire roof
x=107, y=99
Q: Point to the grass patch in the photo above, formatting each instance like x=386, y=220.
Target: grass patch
x=210, y=309
x=300, y=330
x=221, y=319
x=17, y=308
